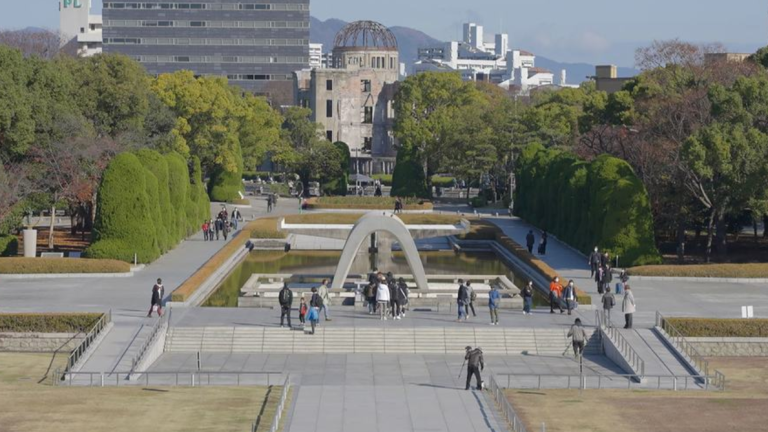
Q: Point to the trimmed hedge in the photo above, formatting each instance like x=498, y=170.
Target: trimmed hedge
x=479, y=201
x=48, y=323
x=9, y=246
x=155, y=163
x=366, y=203
x=755, y=271
x=198, y=193
x=178, y=185
x=587, y=204
x=61, y=265
x=123, y=220
x=715, y=327
x=443, y=182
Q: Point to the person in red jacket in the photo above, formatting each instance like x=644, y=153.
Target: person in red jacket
x=205, y=230
x=555, y=295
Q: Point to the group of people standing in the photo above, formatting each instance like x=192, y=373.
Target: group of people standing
x=398, y=205
x=385, y=295
x=560, y=295
x=600, y=266
x=222, y=225
x=320, y=300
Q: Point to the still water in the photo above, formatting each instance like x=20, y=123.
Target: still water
x=321, y=262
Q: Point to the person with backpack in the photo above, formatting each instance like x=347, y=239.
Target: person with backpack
x=323, y=292
x=578, y=338
x=494, y=301
x=609, y=301
x=475, y=365
x=555, y=295
x=527, y=294
x=461, y=300
x=370, y=297
x=594, y=262
x=285, y=298
x=382, y=297
x=156, y=303
x=472, y=298
x=315, y=304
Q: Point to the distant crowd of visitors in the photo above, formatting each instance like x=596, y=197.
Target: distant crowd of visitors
x=222, y=225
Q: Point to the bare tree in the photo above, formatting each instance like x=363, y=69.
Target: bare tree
x=43, y=43
x=13, y=186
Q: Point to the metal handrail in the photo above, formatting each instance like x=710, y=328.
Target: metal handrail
x=676, y=337
x=193, y=379
x=629, y=353
x=678, y=382
x=506, y=408
x=158, y=329
x=280, y=407
x=81, y=349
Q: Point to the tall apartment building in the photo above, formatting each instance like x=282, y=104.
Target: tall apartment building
x=256, y=44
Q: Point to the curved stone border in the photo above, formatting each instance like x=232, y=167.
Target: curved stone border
x=697, y=279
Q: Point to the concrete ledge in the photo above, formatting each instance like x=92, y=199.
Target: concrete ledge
x=698, y=279
x=731, y=346
x=66, y=276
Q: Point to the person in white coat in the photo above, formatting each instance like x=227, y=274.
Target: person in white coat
x=628, y=306
x=382, y=297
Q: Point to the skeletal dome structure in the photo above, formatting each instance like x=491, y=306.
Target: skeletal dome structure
x=365, y=44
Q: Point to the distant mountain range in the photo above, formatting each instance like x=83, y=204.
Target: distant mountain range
x=410, y=40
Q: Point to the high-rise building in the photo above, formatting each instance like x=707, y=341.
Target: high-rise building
x=77, y=26
x=256, y=44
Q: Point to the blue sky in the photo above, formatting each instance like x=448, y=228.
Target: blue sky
x=594, y=31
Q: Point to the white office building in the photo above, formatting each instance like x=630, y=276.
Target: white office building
x=78, y=26
x=478, y=60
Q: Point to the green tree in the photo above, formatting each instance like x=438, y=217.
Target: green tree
x=338, y=185
x=17, y=125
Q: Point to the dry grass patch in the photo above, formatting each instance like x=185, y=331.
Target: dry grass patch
x=740, y=408
x=31, y=407
x=704, y=270
x=717, y=327
x=61, y=265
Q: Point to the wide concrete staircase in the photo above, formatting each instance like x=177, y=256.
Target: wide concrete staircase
x=500, y=341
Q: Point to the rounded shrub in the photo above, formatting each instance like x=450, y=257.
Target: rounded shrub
x=160, y=236
x=123, y=223
x=409, y=180
x=9, y=246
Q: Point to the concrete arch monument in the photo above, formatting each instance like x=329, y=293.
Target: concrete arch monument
x=369, y=224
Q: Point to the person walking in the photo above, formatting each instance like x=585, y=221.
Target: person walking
x=404, y=292
x=569, y=295
x=390, y=278
x=475, y=365
x=219, y=226
x=609, y=301
x=236, y=217
x=527, y=294
x=628, y=306
x=285, y=298
x=205, y=230
x=494, y=301
x=224, y=228
x=399, y=298
x=315, y=304
x=594, y=261
x=578, y=338
x=323, y=291
x=543, y=243
x=555, y=295
x=303, y=311
x=599, y=279
x=269, y=203
x=607, y=278
x=156, y=303
x=472, y=298
x=461, y=300
x=530, y=240
x=211, y=229
x=382, y=297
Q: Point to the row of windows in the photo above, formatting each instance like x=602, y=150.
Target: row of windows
x=366, y=114
x=375, y=62
x=210, y=6
x=259, y=77
x=222, y=59
x=203, y=42
x=211, y=24
x=365, y=85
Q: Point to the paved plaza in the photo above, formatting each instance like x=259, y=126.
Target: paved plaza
x=373, y=392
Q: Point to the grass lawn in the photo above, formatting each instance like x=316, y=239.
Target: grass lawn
x=31, y=407
x=755, y=270
x=740, y=408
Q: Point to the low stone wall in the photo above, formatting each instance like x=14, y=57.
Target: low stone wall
x=731, y=347
x=39, y=342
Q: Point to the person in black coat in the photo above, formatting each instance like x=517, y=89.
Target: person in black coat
x=157, y=299
x=286, y=301
x=594, y=261
x=530, y=240
x=461, y=300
